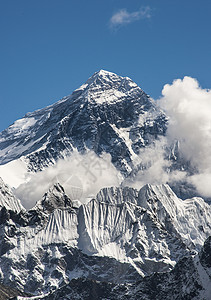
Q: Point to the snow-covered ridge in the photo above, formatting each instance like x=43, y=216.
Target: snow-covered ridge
x=144, y=231
x=108, y=79
x=8, y=200
x=116, y=195
x=189, y=218
x=188, y=280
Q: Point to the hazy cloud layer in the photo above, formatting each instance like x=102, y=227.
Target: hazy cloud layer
x=156, y=167
x=123, y=17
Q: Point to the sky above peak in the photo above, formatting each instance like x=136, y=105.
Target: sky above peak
x=49, y=48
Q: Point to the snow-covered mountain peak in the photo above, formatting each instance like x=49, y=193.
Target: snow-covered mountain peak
x=104, y=86
x=103, y=73
x=103, y=77
x=8, y=200
x=116, y=195
x=53, y=199
x=160, y=199
x=190, y=215
x=108, y=113
x=151, y=194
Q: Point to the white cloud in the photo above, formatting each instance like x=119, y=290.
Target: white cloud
x=124, y=17
x=189, y=109
x=156, y=167
x=82, y=176
x=202, y=182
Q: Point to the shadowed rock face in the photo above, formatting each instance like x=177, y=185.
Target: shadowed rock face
x=108, y=113
x=55, y=198
x=205, y=256
x=7, y=292
x=185, y=281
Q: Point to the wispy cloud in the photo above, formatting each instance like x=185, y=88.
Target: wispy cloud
x=123, y=17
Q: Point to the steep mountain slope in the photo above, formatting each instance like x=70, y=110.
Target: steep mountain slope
x=10, y=293
x=118, y=237
x=7, y=198
x=188, y=280
x=190, y=218
x=108, y=113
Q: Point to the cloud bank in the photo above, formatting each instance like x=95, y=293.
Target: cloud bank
x=155, y=167
x=123, y=17
x=82, y=176
x=189, y=109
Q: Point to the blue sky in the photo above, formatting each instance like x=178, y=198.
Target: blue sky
x=50, y=47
